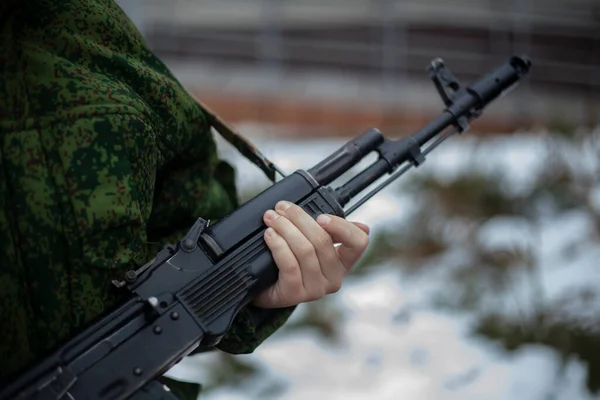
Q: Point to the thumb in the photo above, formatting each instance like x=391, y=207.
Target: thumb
x=362, y=227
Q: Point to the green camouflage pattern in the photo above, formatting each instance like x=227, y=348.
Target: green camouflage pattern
x=104, y=158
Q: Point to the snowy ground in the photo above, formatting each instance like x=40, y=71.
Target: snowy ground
x=432, y=355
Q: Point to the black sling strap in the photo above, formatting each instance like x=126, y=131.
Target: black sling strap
x=242, y=144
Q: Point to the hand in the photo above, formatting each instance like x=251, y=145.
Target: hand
x=309, y=264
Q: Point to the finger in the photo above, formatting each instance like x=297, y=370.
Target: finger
x=362, y=227
x=312, y=277
x=329, y=262
x=290, y=277
x=352, y=238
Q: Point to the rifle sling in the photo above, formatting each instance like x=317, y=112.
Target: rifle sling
x=243, y=145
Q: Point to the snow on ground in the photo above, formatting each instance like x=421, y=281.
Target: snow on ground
x=431, y=356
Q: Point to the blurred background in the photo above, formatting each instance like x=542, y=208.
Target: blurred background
x=482, y=279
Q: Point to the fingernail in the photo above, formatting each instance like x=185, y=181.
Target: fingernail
x=323, y=219
x=272, y=214
x=270, y=232
x=283, y=205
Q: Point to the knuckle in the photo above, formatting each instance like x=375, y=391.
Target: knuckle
x=323, y=241
x=306, y=250
x=292, y=267
x=334, y=287
x=337, y=283
x=279, y=245
x=320, y=290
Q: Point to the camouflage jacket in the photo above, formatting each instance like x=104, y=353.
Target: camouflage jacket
x=104, y=158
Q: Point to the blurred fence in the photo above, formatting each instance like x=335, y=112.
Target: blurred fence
x=392, y=37
x=388, y=42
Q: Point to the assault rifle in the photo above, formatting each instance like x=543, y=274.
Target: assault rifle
x=190, y=293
